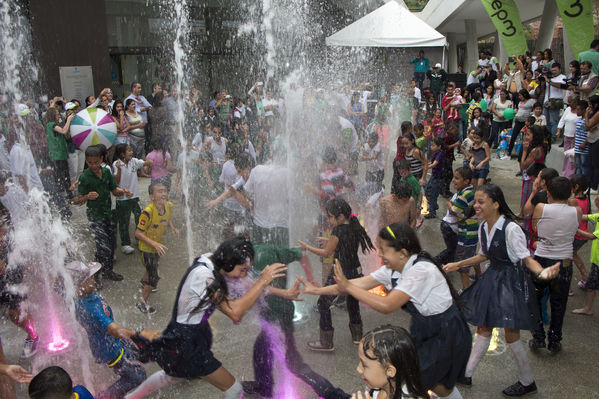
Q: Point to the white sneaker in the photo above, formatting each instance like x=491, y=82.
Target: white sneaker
x=127, y=249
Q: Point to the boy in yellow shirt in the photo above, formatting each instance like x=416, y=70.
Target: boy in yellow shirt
x=151, y=228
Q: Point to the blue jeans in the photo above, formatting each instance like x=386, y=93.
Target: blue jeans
x=583, y=164
x=552, y=116
x=431, y=190
x=131, y=374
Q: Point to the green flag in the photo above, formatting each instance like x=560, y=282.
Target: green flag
x=505, y=16
x=577, y=16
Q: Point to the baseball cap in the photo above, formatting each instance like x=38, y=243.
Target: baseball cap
x=437, y=65
x=69, y=106
x=80, y=271
x=22, y=110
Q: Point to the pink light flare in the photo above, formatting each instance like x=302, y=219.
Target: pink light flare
x=58, y=342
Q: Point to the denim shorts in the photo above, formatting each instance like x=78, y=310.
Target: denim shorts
x=480, y=173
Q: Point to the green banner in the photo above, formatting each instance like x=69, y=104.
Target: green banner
x=505, y=16
x=577, y=16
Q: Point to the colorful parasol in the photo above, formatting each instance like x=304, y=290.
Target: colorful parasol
x=93, y=126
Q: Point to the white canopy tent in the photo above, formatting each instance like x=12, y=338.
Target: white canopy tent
x=391, y=25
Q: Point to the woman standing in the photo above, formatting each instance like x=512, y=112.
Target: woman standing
x=503, y=296
x=499, y=123
x=118, y=114
x=416, y=284
x=524, y=111
x=567, y=128
x=135, y=128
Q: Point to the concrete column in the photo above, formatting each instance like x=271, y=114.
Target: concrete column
x=547, y=26
x=471, y=45
x=499, y=49
x=568, y=52
x=452, y=53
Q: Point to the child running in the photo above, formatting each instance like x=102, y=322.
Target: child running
x=151, y=228
x=347, y=237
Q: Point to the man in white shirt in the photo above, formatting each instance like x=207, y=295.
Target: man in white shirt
x=142, y=106
x=554, y=97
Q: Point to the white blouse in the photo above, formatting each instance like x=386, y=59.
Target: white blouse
x=568, y=123
x=514, y=236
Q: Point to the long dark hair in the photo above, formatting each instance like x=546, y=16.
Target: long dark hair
x=402, y=236
x=230, y=253
x=391, y=345
x=539, y=138
x=583, y=184
x=120, y=150
x=357, y=234
x=594, y=103
x=494, y=192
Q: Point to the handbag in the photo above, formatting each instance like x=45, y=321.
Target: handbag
x=554, y=103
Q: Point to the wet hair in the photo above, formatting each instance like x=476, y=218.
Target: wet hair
x=401, y=189
x=560, y=188
x=391, y=345
x=153, y=185
x=329, y=156
x=233, y=150
x=465, y=172
x=120, y=150
x=404, y=164
x=494, y=192
x=50, y=115
x=438, y=142
x=547, y=174
x=230, y=253
x=244, y=160
x=404, y=237
x=535, y=169
x=406, y=126
x=158, y=98
x=94, y=151
x=357, y=235
x=51, y=383
x=158, y=145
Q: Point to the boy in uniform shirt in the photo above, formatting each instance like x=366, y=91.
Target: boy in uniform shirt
x=151, y=228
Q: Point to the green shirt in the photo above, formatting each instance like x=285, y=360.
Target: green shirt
x=267, y=254
x=414, y=185
x=421, y=142
x=595, y=246
x=98, y=209
x=593, y=57
x=57, y=144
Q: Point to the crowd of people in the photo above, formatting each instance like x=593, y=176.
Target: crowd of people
x=229, y=158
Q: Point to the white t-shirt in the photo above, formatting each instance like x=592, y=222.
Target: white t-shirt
x=376, y=164
x=555, y=92
x=268, y=187
x=16, y=201
x=472, y=78
x=452, y=219
x=194, y=290
x=218, y=151
x=568, y=123
x=198, y=141
x=422, y=281
x=514, y=237
x=418, y=94
x=22, y=164
x=229, y=176
x=501, y=107
x=269, y=103
x=128, y=176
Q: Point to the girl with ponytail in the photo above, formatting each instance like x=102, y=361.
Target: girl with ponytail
x=347, y=237
x=183, y=349
x=416, y=283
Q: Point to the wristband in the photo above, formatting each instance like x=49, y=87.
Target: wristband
x=538, y=275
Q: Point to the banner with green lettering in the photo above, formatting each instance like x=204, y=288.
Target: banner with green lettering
x=577, y=16
x=505, y=16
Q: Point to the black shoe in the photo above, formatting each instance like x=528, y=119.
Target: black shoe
x=561, y=145
x=518, y=389
x=554, y=347
x=535, y=344
x=519, y=173
x=465, y=381
x=430, y=216
x=111, y=275
x=255, y=388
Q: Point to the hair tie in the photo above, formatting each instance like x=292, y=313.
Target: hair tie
x=391, y=232
x=353, y=215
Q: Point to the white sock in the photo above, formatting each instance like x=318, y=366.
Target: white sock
x=153, y=383
x=481, y=344
x=234, y=392
x=455, y=394
x=521, y=356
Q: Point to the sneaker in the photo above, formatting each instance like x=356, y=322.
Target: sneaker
x=518, y=389
x=30, y=347
x=535, y=344
x=145, y=308
x=554, y=347
x=582, y=283
x=127, y=249
x=111, y=275
x=141, y=285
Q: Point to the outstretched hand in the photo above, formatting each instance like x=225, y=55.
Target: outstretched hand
x=150, y=335
x=18, y=374
x=294, y=291
x=273, y=271
x=309, y=288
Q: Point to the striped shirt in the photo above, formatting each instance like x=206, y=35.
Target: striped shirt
x=467, y=226
x=332, y=183
x=581, y=136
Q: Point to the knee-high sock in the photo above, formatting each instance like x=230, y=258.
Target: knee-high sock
x=481, y=344
x=455, y=394
x=234, y=392
x=521, y=356
x=155, y=382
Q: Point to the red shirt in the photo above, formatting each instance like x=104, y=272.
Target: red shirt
x=451, y=114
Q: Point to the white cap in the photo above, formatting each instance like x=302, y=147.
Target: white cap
x=437, y=65
x=22, y=110
x=80, y=271
x=69, y=106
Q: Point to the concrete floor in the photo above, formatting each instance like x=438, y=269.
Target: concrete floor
x=569, y=374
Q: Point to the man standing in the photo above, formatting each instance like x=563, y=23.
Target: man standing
x=156, y=88
x=142, y=106
x=438, y=78
x=587, y=84
x=421, y=66
x=592, y=56
x=451, y=108
x=554, y=97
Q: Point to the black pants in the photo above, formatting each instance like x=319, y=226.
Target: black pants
x=451, y=242
x=264, y=359
x=104, y=235
x=61, y=172
x=325, y=302
x=496, y=128
x=595, y=165
x=515, y=132
x=558, y=299
x=447, y=174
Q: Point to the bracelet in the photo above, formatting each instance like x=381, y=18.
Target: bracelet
x=538, y=275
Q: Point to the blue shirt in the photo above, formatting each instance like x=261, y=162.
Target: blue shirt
x=94, y=314
x=81, y=392
x=438, y=170
x=420, y=64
